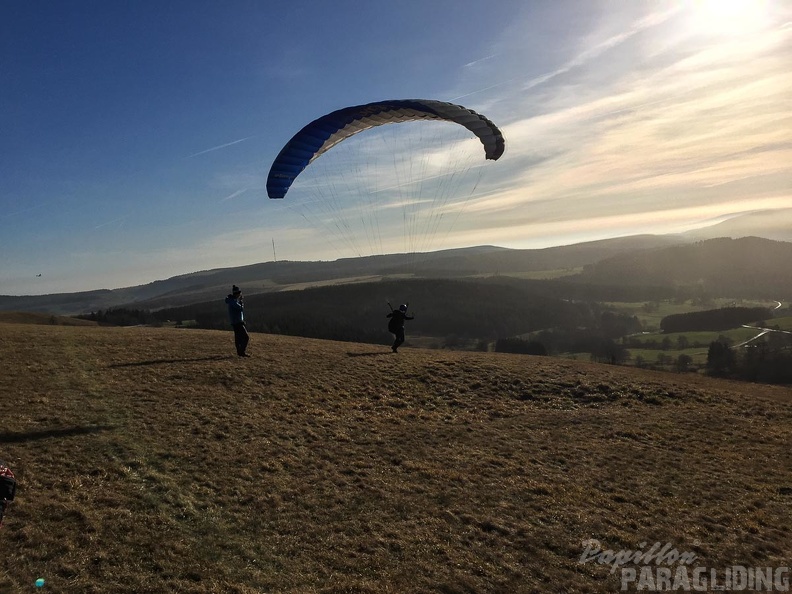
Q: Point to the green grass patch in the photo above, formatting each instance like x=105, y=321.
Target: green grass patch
x=651, y=356
x=736, y=335
x=651, y=313
x=784, y=323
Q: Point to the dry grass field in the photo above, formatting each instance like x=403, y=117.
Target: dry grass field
x=152, y=460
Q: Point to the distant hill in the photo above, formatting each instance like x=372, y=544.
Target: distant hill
x=770, y=224
x=279, y=276
x=748, y=267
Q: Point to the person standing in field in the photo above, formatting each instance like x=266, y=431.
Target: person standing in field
x=396, y=325
x=236, y=313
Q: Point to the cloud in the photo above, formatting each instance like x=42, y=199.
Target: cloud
x=684, y=123
x=592, y=53
x=585, y=56
x=480, y=60
x=217, y=148
x=234, y=195
x=112, y=222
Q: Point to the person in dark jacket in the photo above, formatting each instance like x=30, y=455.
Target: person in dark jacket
x=236, y=313
x=396, y=325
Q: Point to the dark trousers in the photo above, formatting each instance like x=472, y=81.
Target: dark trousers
x=399, y=334
x=241, y=337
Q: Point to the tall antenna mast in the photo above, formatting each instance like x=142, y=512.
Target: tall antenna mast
x=274, y=257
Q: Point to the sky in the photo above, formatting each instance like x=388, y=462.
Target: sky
x=136, y=137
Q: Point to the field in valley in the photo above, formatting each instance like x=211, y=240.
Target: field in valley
x=155, y=460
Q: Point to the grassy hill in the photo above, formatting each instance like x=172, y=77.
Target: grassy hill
x=773, y=224
x=152, y=460
x=269, y=277
x=748, y=267
x=614, y=269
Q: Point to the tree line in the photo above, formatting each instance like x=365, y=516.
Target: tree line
x=714, y=319
x=483, y=311
x=766, y=361
x=121, y=316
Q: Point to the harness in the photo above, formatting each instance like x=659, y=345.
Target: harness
x=7, y=489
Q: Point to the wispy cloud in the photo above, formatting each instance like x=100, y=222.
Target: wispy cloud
x=644, y=143
x=586, y=56
x=652, y=20
x=234, y=195
x=480, y=60
x=112, y=222
x=217, y=148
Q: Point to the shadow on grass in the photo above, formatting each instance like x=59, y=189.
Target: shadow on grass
x=371, y=354
x=22, y=436
x=166, y=361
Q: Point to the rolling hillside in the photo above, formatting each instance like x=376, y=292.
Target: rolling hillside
x=773, y=224
x=268, y=277
x=749, y=267
x=152, y=460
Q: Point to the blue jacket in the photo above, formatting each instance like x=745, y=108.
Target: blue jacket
x=236, y=311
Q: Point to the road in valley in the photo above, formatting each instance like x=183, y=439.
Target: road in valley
x=763, y=331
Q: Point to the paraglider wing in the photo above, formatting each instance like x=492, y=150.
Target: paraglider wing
x=324, y=133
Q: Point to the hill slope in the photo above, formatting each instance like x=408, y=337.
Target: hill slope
x=749, y=267
x=277, y=276
x=150, y=460
x=771, y=224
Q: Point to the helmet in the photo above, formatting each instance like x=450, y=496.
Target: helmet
x=402, y=308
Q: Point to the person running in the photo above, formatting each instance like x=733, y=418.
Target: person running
x=396, y=325
x=236, y=313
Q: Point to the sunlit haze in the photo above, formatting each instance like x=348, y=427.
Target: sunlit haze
x=137, y=137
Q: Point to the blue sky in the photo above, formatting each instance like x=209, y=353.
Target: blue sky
x=135, y=137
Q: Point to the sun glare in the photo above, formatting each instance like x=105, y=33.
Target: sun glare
x=727, y=17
